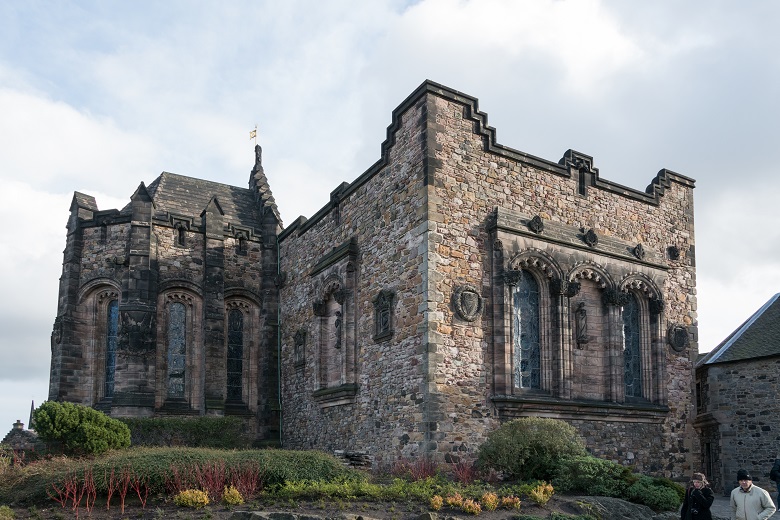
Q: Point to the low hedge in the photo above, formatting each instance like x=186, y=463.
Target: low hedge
x=193, y=432
x=156, y=466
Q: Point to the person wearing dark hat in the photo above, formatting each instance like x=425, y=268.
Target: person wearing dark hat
x=750, y=502
x=698, y=499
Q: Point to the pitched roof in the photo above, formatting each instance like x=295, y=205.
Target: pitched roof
x=758, y=337
x=187, y=196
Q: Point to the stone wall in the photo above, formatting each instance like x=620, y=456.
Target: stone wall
x=738, y=419
x=430, y=219
x=385, y=217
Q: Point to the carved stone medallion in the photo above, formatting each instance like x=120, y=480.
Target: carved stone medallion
x=467, y=302
x=677, y=337
x=536, y=225
x=639, y=251
x=591, y=238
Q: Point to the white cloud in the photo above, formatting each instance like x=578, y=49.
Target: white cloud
x=51, y=145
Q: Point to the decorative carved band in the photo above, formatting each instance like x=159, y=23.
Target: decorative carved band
x=614, y=297
x=564, y=288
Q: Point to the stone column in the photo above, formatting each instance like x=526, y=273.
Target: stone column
x=214, y=307
x=134, y=379
x=66, y=348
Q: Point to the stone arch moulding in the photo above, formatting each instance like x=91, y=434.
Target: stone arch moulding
x=591, y=271
x=534, y=259
x=641, y=283
x=86, y=290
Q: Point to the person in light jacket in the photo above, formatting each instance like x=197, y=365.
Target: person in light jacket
x=698, y=499
x=749, y=502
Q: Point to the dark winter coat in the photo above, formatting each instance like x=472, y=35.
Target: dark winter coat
x=775, y=473
x=698, y=500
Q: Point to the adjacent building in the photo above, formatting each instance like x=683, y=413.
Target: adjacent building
x=737, y=384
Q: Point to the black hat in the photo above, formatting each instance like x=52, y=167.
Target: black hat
x=743, y=475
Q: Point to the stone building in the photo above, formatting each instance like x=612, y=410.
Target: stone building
x=168, y=306
x=737, y=384
x=454, y=284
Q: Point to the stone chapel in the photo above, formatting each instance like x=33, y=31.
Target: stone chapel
x=455, y=284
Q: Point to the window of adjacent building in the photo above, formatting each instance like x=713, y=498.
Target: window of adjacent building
x=112, y=325
x=235, y=355
x=525, y=333
x=177, y=349
x=632, y=348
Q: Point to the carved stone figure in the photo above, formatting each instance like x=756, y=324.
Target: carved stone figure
x=581, y=317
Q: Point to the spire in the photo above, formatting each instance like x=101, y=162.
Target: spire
x=31, y=423
x=259, y=184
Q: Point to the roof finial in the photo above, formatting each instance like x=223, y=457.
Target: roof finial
x=253, y=134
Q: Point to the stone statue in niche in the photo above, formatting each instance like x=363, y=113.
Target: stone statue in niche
x=581, y=318
x=337, y=327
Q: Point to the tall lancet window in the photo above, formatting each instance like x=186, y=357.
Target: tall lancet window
x=632, y=348
x=525, y=333
x=235, y=355
x=112, y=325
x=177, y=349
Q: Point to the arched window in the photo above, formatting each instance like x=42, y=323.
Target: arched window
x=632, y=348
x=177, y=349
x=112, y=323
x=525, y=333
x=235, y=355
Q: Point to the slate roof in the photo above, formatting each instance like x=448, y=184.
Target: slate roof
x=758, y=337
x=187, y=196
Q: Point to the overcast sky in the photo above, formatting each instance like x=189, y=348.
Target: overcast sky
x=99, y=96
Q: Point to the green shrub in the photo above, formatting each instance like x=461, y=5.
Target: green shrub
x=593, y=476
x=529, y=448
x=193, y=432
x=6, y=513
x=191, y=498
x=656, y=493
x=79, y=429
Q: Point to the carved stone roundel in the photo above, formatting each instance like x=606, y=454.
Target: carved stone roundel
x=677, y=337
x=467, y=302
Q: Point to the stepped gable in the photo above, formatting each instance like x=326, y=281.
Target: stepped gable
x=757, y=337
x=182, y=195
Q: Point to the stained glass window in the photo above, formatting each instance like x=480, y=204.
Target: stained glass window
x=632, y=354
x=525, y=328
x=112, y=323
x=235, y=354
x=177, y=348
